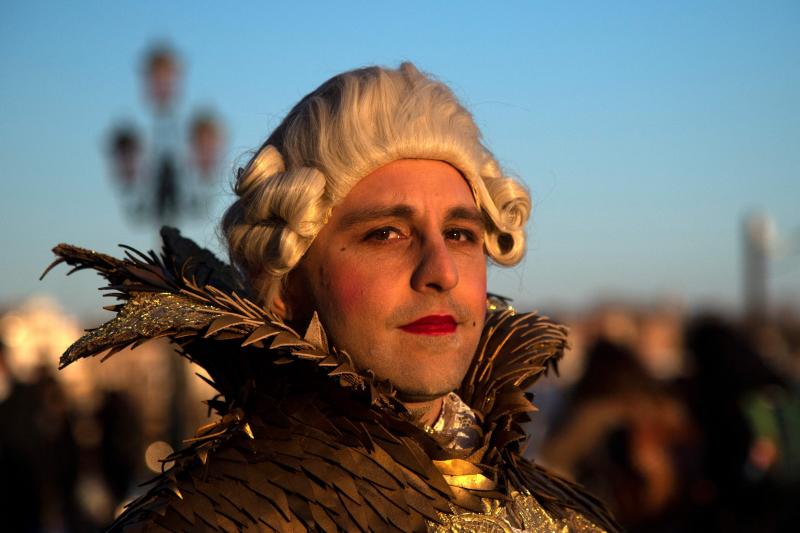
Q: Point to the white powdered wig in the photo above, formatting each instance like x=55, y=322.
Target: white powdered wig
x=351, y=125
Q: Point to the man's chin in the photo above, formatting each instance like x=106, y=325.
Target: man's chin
x=413, y=386
x=420, y=391
x=419, y=396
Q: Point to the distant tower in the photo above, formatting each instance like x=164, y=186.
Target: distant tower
x=758, y=238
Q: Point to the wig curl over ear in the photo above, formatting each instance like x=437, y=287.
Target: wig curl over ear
x=349, y=126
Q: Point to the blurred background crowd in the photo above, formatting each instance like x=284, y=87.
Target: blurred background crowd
x=660, y=147
x=680, y=421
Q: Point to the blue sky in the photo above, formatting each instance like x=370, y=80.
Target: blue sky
x=644, y=130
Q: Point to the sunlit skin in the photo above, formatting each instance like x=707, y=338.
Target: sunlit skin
x=398, y=277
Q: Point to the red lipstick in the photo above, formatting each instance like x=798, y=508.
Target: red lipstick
x=431, y=325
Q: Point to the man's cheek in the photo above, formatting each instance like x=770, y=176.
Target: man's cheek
x=350, y=290
x=474, y=284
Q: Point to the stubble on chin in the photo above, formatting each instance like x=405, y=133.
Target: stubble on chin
x=423, y=381
x=421, y=397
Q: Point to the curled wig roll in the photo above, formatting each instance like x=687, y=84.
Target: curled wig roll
x=351, y=125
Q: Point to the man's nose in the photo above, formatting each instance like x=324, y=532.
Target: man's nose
x=436, y=270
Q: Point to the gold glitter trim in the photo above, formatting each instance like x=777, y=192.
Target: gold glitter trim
x=522, y=513
x=146, y=315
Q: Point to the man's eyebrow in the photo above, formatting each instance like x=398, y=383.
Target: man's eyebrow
x=470, y=214
x=369, y=214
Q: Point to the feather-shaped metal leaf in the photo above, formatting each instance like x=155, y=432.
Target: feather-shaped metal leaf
x=223, y=322
x=261, y=333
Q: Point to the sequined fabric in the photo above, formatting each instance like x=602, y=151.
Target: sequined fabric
x=456, y=426
x=146, y=315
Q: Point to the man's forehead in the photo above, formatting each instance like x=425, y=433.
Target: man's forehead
x=456, y=192
x=409, y=187
x=366, y=213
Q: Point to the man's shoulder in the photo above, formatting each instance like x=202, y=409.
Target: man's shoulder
x=281, y=474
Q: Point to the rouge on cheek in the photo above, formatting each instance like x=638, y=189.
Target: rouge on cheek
x=348, y=291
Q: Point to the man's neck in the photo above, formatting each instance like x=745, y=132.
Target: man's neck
x=426, y=412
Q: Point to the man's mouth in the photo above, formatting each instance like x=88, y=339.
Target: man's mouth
x=432, y=325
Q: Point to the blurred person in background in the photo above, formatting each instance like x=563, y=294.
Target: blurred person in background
x=120, y=445
x=749, y=423
x=38, y=454
x=19, y=491
x=626, y=436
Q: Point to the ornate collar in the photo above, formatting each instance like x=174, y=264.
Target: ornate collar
x=198, y=302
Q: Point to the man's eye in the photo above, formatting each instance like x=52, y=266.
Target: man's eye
x=384, y=234
x=460, y=235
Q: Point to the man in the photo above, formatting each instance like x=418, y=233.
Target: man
x=366, y=221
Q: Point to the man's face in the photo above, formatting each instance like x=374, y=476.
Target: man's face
x=398, y=276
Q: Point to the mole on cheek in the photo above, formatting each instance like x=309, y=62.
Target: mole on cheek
x=343, y=248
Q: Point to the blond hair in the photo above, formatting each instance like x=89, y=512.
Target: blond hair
x=351, y=125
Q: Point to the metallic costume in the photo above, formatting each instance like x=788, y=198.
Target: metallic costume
x=305, y=441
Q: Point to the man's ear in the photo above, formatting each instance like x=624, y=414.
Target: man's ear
x=279, y=305
x=292, y=302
